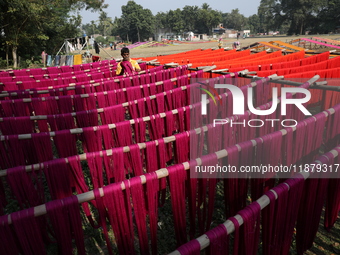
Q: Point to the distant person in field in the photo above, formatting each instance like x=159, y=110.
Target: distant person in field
x=236, y=45
x=127, y=65
x=220, y=43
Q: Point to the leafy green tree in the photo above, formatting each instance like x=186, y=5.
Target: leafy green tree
x=269, y=13
x=328, y=18
x=162, y=22
x=190, y=14
x=32, y=25
x=208, y=19
x=92, y=5
x=135, y=23
x=175, y=20
x=162, y=25
x=115, y=26
x=254, y=24
x=105, y=24
x=298, y=15
x=21, y=22
x=298, y=12
x=123, y=28
x=91, y=28
x=235, y=20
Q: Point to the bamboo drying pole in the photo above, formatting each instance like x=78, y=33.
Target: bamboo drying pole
x=169, y=139
x=161, y=173
x=70, y=87
x=28, y=100
x=263, y=201
x=82, y=157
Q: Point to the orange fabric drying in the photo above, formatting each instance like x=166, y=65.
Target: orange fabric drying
x=334, y=62
x=331, y=98
x=293, y=56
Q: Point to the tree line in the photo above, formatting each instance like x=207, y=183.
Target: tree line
x=287, y=16
x=30, y=26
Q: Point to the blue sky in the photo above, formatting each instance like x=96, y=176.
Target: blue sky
x=246, y=7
